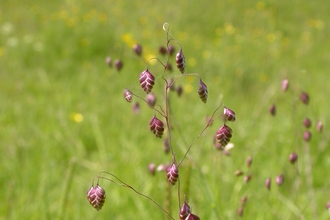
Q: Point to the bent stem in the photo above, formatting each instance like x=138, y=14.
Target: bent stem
x=123, y=184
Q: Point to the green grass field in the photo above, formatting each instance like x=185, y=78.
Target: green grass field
x=63, y=118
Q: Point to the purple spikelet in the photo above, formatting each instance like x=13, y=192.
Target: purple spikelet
x=172, y=174
x=180, y=61
x=202, y=91
x=147, y=81
x=96, y=197
x=156, y=126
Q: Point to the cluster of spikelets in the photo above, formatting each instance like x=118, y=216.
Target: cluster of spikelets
x=147, y=81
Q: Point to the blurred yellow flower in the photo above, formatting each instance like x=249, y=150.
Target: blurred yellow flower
x=128, y=39
x=77, y=117
x=188, y=88
x=102, y=17
x=230, y=29
x=270, y=37
x=207, y=54
x=84, y=42
x=192, y=62
x=260, y=5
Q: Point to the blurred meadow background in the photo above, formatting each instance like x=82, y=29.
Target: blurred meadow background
x=63, y=118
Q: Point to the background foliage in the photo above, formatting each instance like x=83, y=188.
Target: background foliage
x=63, y=118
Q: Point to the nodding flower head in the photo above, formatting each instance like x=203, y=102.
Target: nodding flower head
x=128, y=95
x=223, y=135
x=184, y=211
x=202, y=91
x=156, y=126
x=96, y=197
x=180, y=61
x=147, y=81
x=172, y=174
x=228, y=114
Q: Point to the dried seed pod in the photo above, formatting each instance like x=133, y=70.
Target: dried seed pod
x=96, y=196
x=202, y=91
x=192, y=217
x=228, y=114
x=156, y=126
x=180, y=61
x=223, y=135
x=172, y=174
x=128, y=95
x=184, y=211
x=147, y=81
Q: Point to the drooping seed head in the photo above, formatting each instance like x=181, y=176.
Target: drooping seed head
x=96, y=197
x=238, y=173
x=285, y=85
x=118, y=64
x=136, y=108
x=240, y=211
x=279, y=179
x=228, y=114
x=170, y=50
x=147, y=81
x=304, y=98
x=243, y=200
x=137, y=49
x=151, y=99
x=166, y=145
x=156, y=126
x=180, y=61
x=268, y=183
x=128, y=95
x=307, y=136
x=179, y=90
x=307, y=122
x=184, y=211
x=202, y=91
x=192, y=217
x=169, y=67
x=319, y=126
x=272, y=110
x=293, y=158
x=223, y=135
x=247, y=178
x=172, y=174
x=162, y=50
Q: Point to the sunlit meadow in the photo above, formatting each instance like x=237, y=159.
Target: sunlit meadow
x=63, y=117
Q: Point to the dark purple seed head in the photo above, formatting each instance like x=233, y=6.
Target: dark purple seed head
x=96, y=197
x=180, y=61
x=319, y=126
x=170, y=50
x=147, y=81
x=307, y=136
x=156, y=126
x=172, y=174
x=151, y=99
x=152, y=168
x=268, y=183
x=249, y=161
x=184, y=211
x=307, y=122
x=136, y=108
x=272, y=110
x=293, y=158
x=162, y=50
x=223, y=135
x=279, y=179
x=137, y=49
x=228, y=114
x=192, y=217
x=108, y=61
x=304, y=98
x=118, y=64
x=128, y=95
x=169, y=67
x=285, y=85
x=179, y=90
x=202, y=91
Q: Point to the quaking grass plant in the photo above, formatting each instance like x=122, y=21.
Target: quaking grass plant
x=160, y=124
